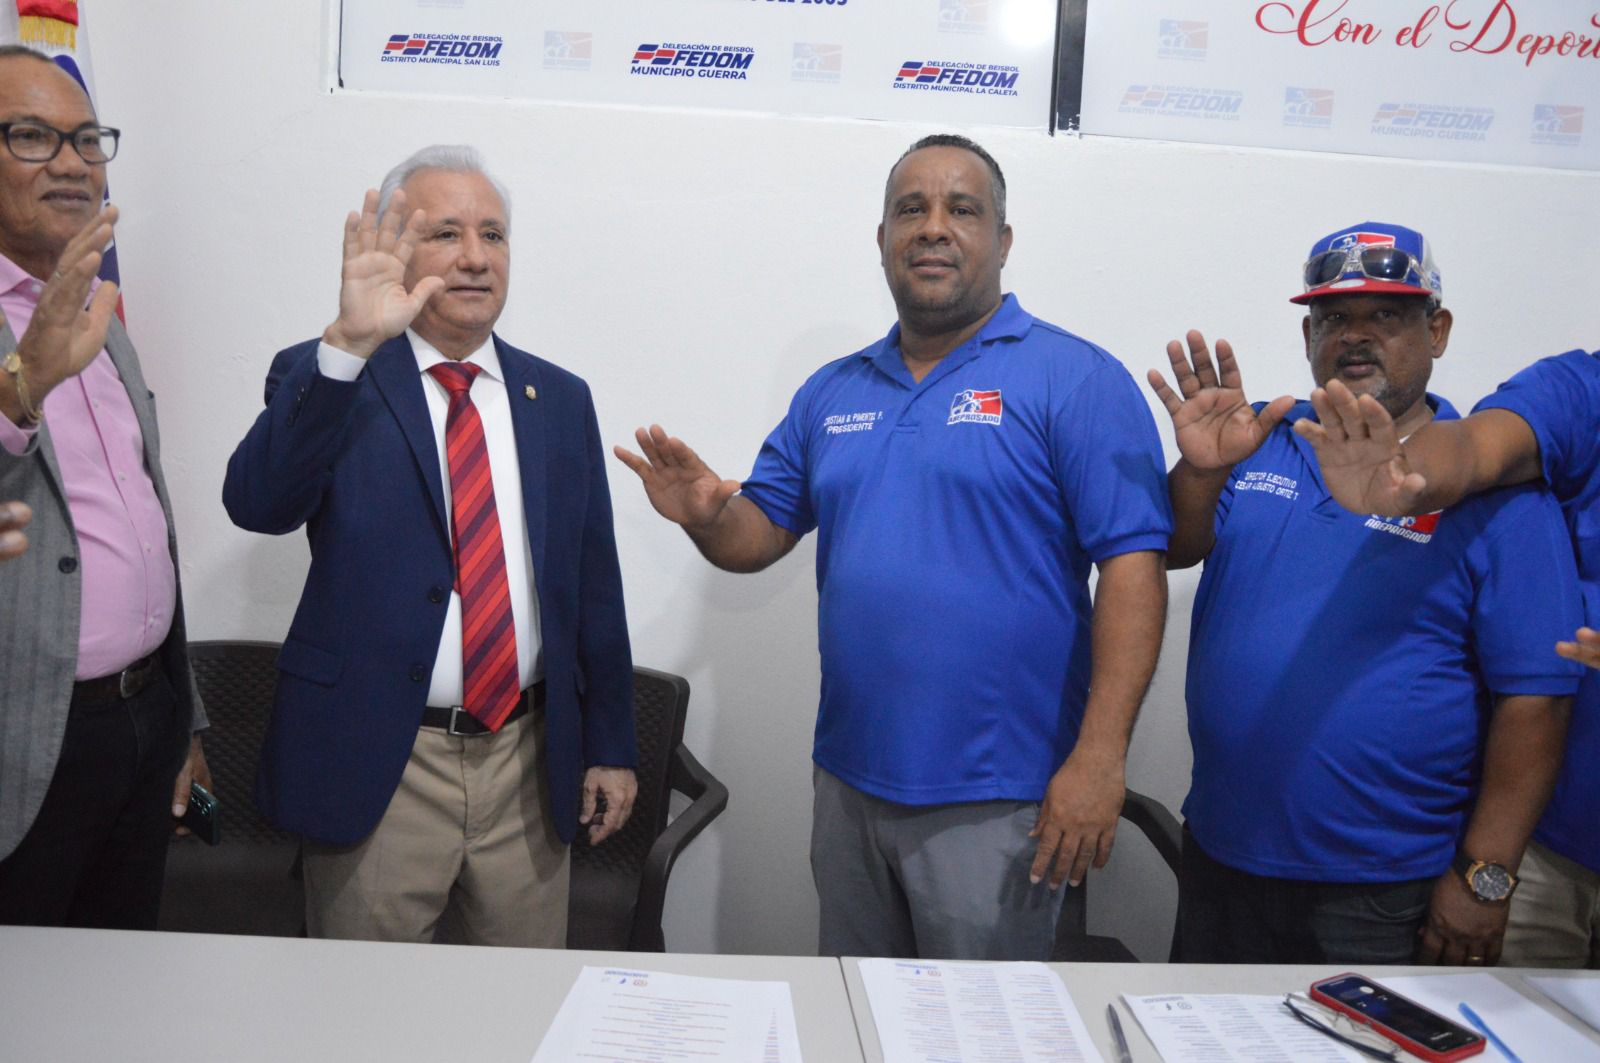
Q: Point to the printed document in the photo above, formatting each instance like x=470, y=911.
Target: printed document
x=1224, y=1027
x=937, y=1011
x=618, y=1015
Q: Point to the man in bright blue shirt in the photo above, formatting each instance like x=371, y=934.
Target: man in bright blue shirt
x=1541, y=425
x=963, y=474
x=1375, y=715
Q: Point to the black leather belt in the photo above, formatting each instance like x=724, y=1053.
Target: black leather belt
x=457, y=721
x=110, y=689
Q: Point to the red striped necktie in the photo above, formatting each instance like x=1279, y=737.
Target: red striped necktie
x=492, y=684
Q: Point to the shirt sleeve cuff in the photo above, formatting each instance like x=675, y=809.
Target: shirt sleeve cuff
x=15, y=439
x=775, y=512
x=1131, y=544
x=338, y=365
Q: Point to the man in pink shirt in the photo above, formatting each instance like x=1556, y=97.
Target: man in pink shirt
x=97, y=703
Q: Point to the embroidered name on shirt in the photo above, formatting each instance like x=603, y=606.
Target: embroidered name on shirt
x=1270, y=482
x=979, y=407
x=1417, y=529
x=851, y=422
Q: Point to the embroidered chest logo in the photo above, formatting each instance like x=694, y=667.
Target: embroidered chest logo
x=1417, y=529
x=981, y=407
x=1270, y=482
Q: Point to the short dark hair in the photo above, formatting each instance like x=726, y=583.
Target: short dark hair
x=955, y=140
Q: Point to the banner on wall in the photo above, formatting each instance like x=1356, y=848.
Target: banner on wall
x=957, y=62
x=1485, y=81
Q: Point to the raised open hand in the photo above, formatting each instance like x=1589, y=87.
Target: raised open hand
x=374, y=304
x=1215, y=425
x=65, y=335
x=680, y=486
x=1363, y=464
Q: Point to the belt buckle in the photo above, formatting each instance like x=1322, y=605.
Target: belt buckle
x=456, y=712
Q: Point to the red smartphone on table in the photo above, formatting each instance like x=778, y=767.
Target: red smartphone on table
x=1425, y=1034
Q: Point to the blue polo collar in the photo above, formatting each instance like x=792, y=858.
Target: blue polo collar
x=1010, y=321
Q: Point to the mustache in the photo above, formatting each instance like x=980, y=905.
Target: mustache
x=1362, y=355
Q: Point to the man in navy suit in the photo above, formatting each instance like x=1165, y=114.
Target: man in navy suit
x=455, y=691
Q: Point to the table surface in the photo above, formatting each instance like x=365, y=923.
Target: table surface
x=96, y=995
x=1094, y=985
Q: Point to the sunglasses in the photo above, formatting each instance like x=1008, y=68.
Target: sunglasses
x=1339, y=1027
x=1379, y=263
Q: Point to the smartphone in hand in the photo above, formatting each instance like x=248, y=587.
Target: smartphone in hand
x=204, y=815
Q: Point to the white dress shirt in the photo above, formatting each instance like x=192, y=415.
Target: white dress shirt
x=489, y=396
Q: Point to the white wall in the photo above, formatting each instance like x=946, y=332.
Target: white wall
x=695, y=267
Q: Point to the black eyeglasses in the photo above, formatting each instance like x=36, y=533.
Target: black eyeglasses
x=37, y=142
x=1379, y=263
x=1323, y=1021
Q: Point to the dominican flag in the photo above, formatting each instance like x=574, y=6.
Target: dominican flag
x=55, y=27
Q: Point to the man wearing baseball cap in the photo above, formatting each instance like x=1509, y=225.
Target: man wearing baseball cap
x=1542, y=425
x=1376, y=717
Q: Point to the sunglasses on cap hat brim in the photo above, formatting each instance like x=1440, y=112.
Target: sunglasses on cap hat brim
x=1364, y=268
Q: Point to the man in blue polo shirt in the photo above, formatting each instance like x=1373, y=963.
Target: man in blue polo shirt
x=1541, y=425
x=963, y=475
x=1376, y=717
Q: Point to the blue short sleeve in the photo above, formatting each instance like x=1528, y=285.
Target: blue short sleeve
x=1110, y=467
x=1528, y=597
x=779, y=484
x=1557, y=397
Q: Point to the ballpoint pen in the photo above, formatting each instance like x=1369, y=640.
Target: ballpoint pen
x=1117, y=1039
x=1483, y=1028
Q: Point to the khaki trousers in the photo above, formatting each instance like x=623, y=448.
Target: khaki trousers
x=467, y=837
x=1555, y=913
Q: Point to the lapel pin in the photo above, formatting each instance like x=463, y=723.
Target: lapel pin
x=530, y=392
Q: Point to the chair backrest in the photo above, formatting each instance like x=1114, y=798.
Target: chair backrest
x=237, y=680
x=660, y=703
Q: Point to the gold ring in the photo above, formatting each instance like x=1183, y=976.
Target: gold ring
x=1474, y=959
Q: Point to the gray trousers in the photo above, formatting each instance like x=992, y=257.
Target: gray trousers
x=927, y=882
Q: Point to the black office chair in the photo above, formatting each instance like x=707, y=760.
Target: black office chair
x=620, y=885
x=1074, y=943
x=249, y=884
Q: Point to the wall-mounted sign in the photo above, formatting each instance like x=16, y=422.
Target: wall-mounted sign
x=1489, y=81
x=957, y=62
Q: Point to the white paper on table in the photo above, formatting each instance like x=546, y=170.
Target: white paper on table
x=1224, y=1027
x=931, y=1011
x=617, y=1015
x=1580, y=995
x=1526, y=1026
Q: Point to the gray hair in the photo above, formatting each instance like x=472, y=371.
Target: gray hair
x=456, y=158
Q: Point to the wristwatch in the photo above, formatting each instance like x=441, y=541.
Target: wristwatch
x=1489, y=883
x=12, y=364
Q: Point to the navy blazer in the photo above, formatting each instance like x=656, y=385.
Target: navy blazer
x=356, y=463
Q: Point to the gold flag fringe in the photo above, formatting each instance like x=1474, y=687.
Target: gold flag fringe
x=47, y=32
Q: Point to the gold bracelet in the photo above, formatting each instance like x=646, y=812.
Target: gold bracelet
x=31, y=414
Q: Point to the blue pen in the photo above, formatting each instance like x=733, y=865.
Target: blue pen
x=1494, y=1039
